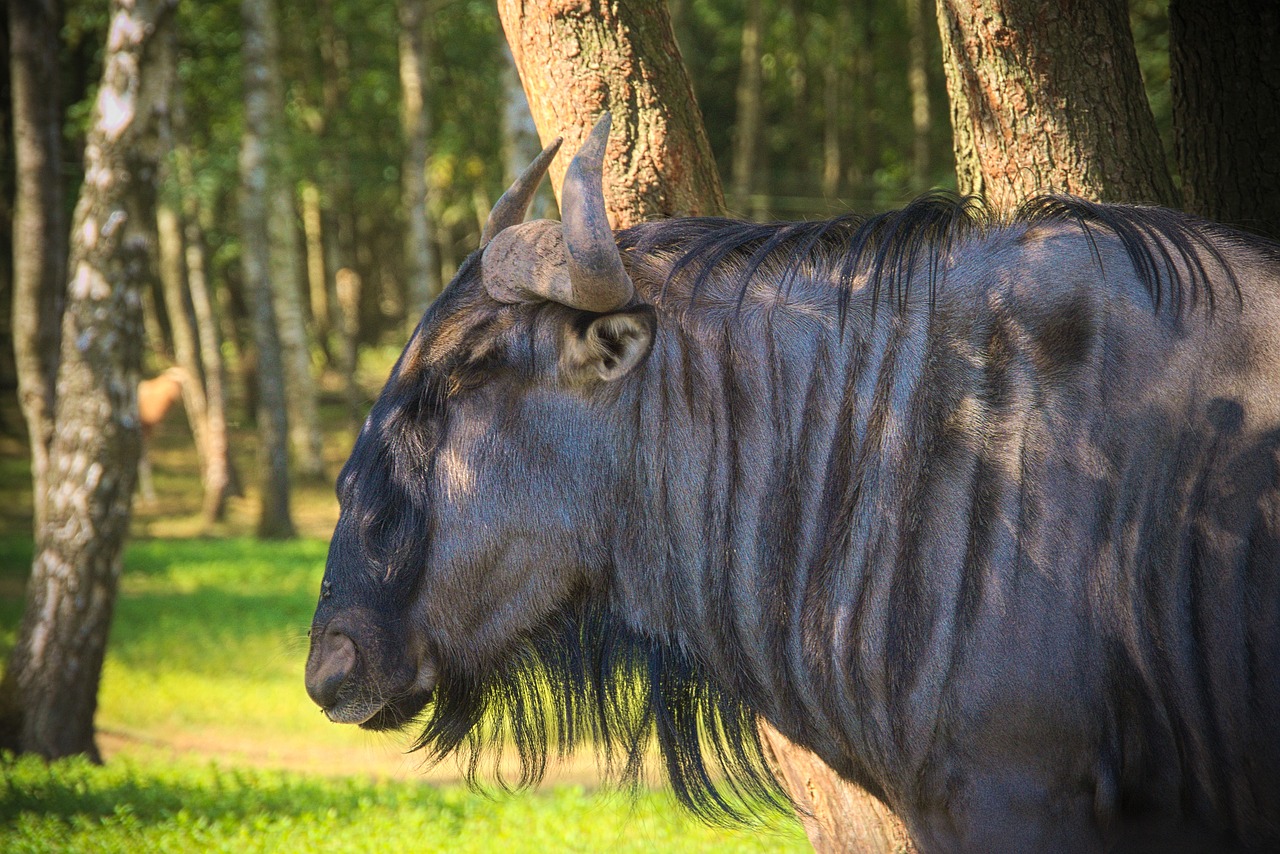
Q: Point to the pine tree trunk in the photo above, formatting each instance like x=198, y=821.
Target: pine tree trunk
x=415, y=125
x=636, y=71
x=1225, y=76
x=40, y=228
x=56, y=665
x=1047, y=97
x=594, y=52
x=275, y=520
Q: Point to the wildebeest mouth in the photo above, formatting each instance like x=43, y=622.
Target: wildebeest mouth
x=397, y=713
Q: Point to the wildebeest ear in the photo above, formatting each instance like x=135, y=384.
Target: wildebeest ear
x=606, y=347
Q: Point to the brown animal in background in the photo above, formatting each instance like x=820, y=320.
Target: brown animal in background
x=156, y=398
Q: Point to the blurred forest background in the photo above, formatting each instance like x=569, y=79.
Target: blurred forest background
x=320, y=169
x=847, y=111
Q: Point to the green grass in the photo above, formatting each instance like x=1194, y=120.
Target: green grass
x=213, y=745
x=129, y=807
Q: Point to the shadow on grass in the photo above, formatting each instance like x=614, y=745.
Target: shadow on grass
x=75, y=791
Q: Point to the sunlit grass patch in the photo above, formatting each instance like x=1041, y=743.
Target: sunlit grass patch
x=131, y=806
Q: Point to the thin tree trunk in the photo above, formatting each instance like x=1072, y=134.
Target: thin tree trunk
x=306, y=439
x=56, y=665
x=416, y=127
x=173, y=277
x=1225, y=76
x=219, y=474
x=317, y=269
x=275, y=520
x=918, y=84
x=1048, y=97
x=40, y=229
x=636, y=71
x=605, y=53
x=520, y=142
x=746, y=126
x=833, y=80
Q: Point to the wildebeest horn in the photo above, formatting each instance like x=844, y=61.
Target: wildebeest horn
x=600, y=283
x=574, y=262
x=514, y=204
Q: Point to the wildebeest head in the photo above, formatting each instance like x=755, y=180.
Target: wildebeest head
x=464, y=576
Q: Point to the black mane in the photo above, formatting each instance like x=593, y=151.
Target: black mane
x=585, y=680
x=1172, y=253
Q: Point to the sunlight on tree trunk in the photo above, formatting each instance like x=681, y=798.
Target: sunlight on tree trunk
x=274, y=520
x=623, y=58
x=1049, y=98
x=50, y=691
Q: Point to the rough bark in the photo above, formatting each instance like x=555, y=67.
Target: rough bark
x=571, y=56
x=39, y=223
x=1225, y=76
x=274, y=520
x=416, y=128
x=51, y=684
x=578, y=58
x=1048, y=97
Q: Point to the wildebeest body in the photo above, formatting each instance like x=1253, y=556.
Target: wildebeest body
x=984, y=515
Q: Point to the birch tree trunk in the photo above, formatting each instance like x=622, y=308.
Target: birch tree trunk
x=1225, y=76
x=415, y=126
x=285, y=249
x=577, y=60
x=50, y=691
x=1047, y=97
x=574, y=57
x=274, y=520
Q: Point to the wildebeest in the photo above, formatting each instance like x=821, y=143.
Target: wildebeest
x=985, y=512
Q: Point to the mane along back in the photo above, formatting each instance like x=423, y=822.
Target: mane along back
x=1178, y=258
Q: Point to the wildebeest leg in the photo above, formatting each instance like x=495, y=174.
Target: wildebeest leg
x=1013, y=812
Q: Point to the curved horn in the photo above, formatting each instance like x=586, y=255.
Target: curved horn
x=514, y=204
x=599, y=281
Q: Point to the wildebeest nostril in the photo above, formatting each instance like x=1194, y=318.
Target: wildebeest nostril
x=332, y=659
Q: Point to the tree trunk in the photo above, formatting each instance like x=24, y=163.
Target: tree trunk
x=520, y=142
x=1047, y=97
x=173, y=276
x=51, y=684
x=416, y=127
x=918, y=85
x=273, y=423
x=1225, y=77
x=218, y=470
x=601, y=53
x=576, y=61
x=317, y=268
x=305, y=437
x=746, y=126
x=39, y=224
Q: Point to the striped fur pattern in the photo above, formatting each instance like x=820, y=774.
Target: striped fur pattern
x=985, y=512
